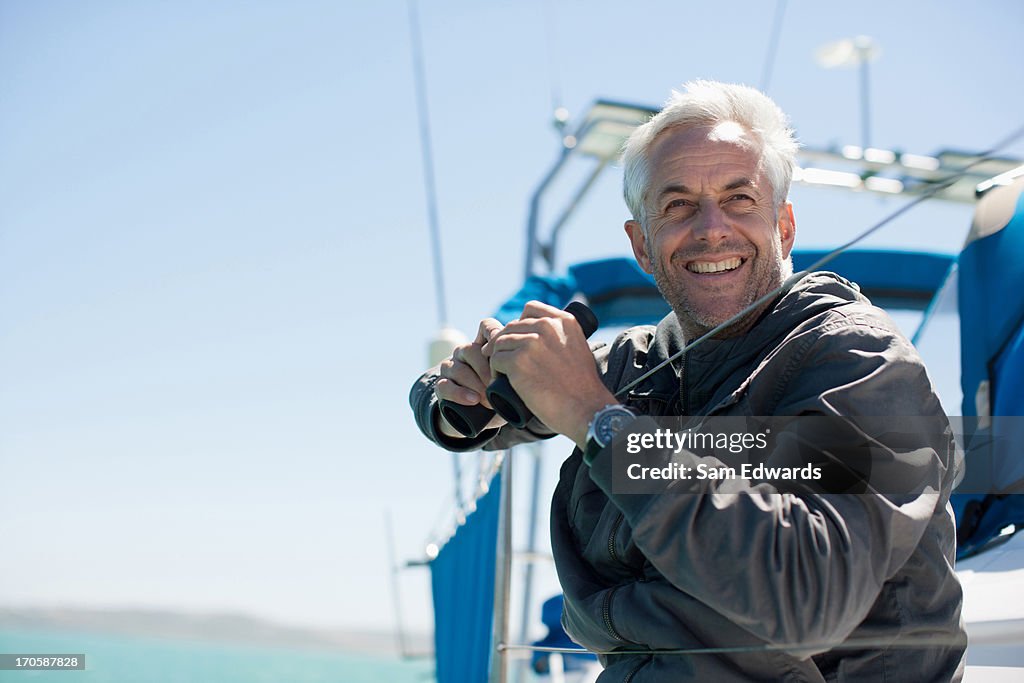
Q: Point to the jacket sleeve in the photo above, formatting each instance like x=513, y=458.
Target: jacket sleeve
x=425, y=408
x=802, y=568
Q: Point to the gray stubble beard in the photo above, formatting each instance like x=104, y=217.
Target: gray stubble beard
x=773, y=272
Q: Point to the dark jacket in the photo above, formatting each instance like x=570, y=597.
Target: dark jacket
x=806, y=586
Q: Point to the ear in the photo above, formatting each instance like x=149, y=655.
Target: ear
x=787, y=228
x=639, y=242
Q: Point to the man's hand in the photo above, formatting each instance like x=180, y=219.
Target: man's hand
x=549, y=363
x=466, y=374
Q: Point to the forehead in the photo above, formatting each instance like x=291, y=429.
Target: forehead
x=704, y=156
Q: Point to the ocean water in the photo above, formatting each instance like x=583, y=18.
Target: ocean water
x=130, y=659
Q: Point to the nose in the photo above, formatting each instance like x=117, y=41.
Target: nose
x=712, y=225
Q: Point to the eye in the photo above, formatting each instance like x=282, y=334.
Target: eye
x=677, y=203
x=741, y=197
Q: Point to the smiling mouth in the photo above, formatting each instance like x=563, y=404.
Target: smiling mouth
x=705, y=267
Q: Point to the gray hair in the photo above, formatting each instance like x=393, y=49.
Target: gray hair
x=710, y=103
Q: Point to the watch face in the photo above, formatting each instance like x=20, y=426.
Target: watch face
x=611, y=423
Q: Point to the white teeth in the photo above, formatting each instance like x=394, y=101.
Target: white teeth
x=712, y=267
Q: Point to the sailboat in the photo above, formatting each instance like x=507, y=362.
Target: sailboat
x=961, y=310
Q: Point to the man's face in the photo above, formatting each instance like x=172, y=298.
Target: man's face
x=715, y=241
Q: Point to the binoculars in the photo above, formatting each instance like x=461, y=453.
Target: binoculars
x=471, y=420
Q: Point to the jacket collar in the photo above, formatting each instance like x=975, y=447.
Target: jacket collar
x=713, y=359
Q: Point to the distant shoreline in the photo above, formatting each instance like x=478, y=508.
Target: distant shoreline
x=217, y=627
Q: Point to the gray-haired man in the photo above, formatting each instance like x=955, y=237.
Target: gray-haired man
x=787, y=585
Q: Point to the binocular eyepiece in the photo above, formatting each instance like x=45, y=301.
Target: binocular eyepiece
x=471, y=420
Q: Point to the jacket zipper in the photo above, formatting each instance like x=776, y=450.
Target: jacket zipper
x=611, y=537
x=606, y=612
x=632, y=672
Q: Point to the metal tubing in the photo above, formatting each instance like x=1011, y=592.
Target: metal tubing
x=865, y=104
x=531, y=547
x=534, y=218
x=502, y=578
x=571, y=209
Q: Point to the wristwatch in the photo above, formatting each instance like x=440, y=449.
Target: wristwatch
x=607, y=422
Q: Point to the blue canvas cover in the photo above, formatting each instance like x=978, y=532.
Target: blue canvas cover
x=616, y=289
x=992, y=363
x=886, y=276
x=991, y=281
x=551, y=616
x=622, y=294
x=462, y=579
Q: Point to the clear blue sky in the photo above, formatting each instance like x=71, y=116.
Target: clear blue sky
x=215, y=285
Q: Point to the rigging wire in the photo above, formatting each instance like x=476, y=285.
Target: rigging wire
x=773, y=45
x=909, y=641
x=430, y=190
x=420, y=79
x=554, y=75
x=796, y=277
x=396, y=596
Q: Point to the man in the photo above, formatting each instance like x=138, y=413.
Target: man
x=773, y=583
